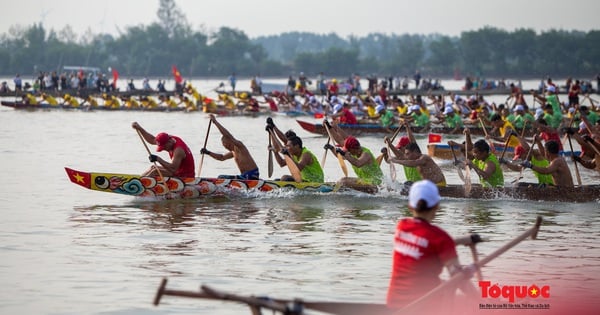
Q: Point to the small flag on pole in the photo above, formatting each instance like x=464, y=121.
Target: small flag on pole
x=177, y=75
x=435, y=138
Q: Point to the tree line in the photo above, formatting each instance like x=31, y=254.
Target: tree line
x=151, y=50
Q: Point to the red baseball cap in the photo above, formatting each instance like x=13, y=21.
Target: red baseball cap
x=161, y=140
x=404, y=141
x=351, y=143
x=519, y=150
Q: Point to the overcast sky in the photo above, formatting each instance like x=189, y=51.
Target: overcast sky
x=271, y=17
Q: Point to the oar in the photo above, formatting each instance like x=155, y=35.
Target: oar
x=492, y=147
x=467, y=272
x=347, y=308
x=270, y=161
x=339, y=156
x=576, y=167
x=467, y=172
x=162, y=178
x=505, y=145
x=460, y=173
x=204, y=147
x=380, y=157
x=294, y=170
x=526, y=159
x=325, y=153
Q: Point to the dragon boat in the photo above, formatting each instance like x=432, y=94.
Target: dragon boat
x=46, y=106
x=190, y=188
x=182, y=188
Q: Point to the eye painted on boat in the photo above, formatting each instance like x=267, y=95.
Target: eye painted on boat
x=101, y=182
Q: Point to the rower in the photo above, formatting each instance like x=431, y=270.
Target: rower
x=237, y=151
x=422, y=250
x=536, y=157
x=484, y=163
x=425, y=165
x=182, y=159
x=363, y=162
x=558, y=168
x=305, y=160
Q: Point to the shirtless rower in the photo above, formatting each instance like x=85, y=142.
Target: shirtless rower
x=427, y=168
x=558, y=168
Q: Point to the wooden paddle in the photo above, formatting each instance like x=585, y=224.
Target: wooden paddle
x=467, y=172
x=460, y=173
x=162, y=178
x=394, y=135
x=325, y=153
x=270, y=160
x=492, y=147
x=204, y=147
x=505, y=145
x=339, y=156
x=468, y=271
x=526, y=159
x=576, y=167
x=348, y=308
x=292, y=166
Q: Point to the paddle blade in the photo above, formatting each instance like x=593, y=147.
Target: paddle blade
x=342, y=164
x=294, y=170
x=200, y=165
x=270, y=166
x=467, y=181
x=324, y=158
x=393, y=172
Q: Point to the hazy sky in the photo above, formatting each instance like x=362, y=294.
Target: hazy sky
x=268, y=17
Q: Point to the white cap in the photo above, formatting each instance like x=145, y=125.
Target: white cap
x=456, y=97
x=449, y=104
x=415, y=108
x=448, y=110
x=312, y=99
x=424, y=190
x=538, y=113
x=551, y=88
x=379, y=108
x=338, y=107
x=519, y=107
x=582, y=125
x=571, y=109
x=353, y=99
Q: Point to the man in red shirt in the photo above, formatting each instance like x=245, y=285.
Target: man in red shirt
x=422, y=250
x=182, y=159
x=345, y=115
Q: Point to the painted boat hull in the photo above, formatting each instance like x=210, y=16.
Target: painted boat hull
x=190, y=188
x=586, y=193
x=24, y=106
x=181, y=188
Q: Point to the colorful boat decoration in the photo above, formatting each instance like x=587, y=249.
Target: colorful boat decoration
x=375, y=129
x=181, y=188
x=444, y=152
x=190, y=188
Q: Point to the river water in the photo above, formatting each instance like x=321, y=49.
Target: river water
x=67, y=250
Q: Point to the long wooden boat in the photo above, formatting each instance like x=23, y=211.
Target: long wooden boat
x=46, y=106
x=444, y=152
x=585, y=193
x=90, y=91
x=181, y=188
x=189, y=188
x=373, y=129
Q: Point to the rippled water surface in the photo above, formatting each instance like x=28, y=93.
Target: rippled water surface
x=67, y=250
